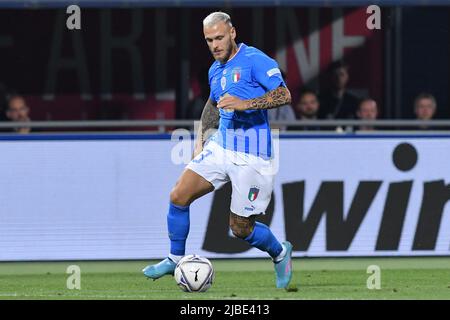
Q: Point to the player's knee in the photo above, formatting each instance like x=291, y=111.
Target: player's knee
x=239, y=232
x=179, y=198
x=241, y=227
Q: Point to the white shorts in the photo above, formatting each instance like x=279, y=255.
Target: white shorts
x=251, y=177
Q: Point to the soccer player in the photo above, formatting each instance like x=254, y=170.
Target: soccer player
x=244, y=83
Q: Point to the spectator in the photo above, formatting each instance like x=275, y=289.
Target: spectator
x=307, y=108
x=3, y=102
x=424, y=108
x=367, y=110
x=337, y=102
x=18, y=111
x=283, y=113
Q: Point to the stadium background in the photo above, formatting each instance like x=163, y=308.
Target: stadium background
x=145, y=61
x=94, y=195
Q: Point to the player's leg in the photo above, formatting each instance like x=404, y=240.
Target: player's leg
x=189, y=187
x=260, y=236
x=250, y=196
x=201, y=176
x=257, y=235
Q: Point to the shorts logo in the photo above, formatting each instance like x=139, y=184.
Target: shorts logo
x=236, y=74
x=253, y=193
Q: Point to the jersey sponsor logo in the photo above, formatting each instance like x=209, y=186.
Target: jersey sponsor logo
x=236, y=74
x=253, y=193
x=273, y=71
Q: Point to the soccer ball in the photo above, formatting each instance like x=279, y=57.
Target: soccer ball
x=194, y=273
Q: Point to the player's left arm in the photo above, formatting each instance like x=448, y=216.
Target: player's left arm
x=266, y=73
x=272, y=99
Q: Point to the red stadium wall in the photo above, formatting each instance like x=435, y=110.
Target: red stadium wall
x=125, y=64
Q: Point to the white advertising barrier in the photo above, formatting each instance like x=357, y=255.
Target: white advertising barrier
x=107, y=198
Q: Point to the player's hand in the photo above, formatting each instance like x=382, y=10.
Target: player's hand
x=229, y=102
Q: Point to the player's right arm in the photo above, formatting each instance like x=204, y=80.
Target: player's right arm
x=209, y=121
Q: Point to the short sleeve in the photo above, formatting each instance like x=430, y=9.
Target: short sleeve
x=211, y=95
x=266, y=72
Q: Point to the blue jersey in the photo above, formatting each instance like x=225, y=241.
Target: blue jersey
x=249, y=74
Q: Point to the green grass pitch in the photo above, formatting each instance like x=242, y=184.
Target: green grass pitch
x=314, y=278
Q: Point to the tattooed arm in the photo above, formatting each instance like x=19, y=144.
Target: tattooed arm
x=209, y=120
x=272, y=99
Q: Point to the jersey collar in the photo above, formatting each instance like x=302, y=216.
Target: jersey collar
x=240, y=46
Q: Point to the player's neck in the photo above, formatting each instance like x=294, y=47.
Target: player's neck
x=234, y=51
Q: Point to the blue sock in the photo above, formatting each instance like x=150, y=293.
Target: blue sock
x=263, y=239
x=178, y=226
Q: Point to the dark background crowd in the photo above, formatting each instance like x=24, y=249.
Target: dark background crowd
x=152, y=63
